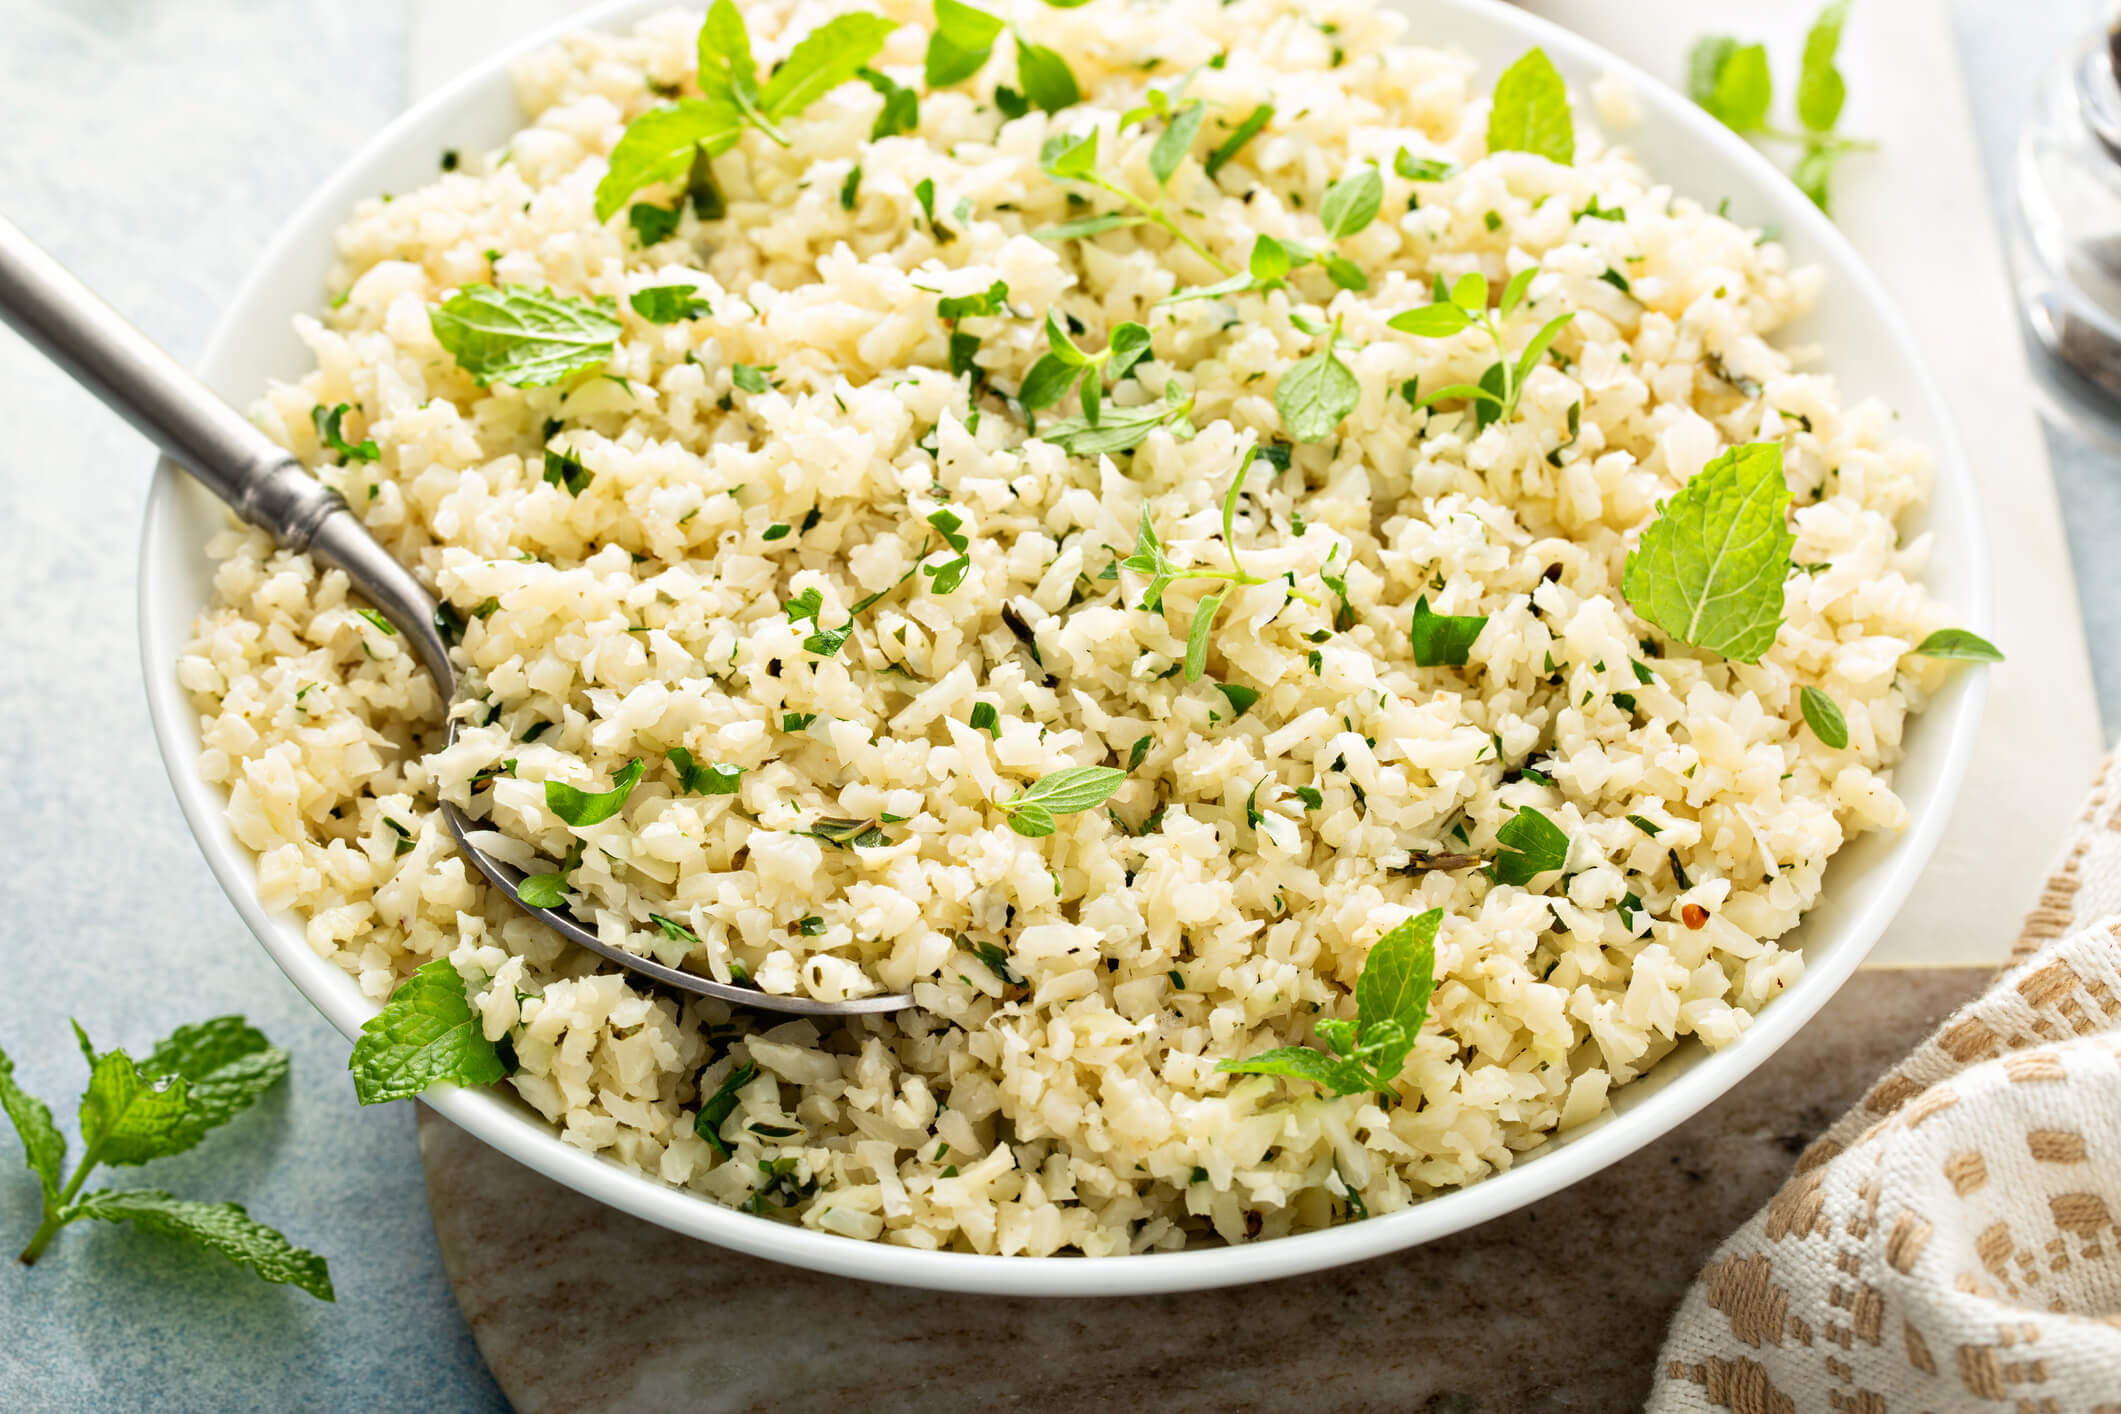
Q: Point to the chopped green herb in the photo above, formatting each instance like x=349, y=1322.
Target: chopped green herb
x=716, y=1108
x=1244, y=132
x=1958, y=643
x=696, y=779
x=329, y=434
x=581, y=809
x=1531, y=845
x=1823, y=716
x=564, y=471
x=669, y=304
x=1709, y=570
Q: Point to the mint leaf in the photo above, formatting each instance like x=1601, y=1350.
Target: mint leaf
x=704, y=780
x=1243, y=133
x=228, y=1065
x=716, y=1108
x=1342, y=1077
x=1398, y=976
x=1392, y=1003
x=1531, y=111
x=1432, y=321
x=901, y=112
x=1117, y=430
x=1742, y=90
x=1240, y=697
x=582, y=808
x=127, y=1117
x=425, y=1035
x=992, y=300
x=1352, y=203
x=1443, y=640
x=1424, y=169
x=221, y=1227
x=1704, y=66
x=543, y=891
x=669, y=304
x=1531, y=845
x=652, y=225
x=334, y=441
x=43, y=1146
x=1197, y=636
x=724, y=46
x=1315, y=394
x=1820, y=89
x=1823, y=716
x=963, y=39
x=1709, y=570
x=1048, y=81
x=521, y=336
x=1073, y=789
x=1175, y=142
x=827, y=57
x=1960, y=644
x=659, y=146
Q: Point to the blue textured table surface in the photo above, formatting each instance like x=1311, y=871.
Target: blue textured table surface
x=155, y=148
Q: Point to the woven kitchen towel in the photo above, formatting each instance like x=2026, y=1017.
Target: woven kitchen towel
x=1952, y=1242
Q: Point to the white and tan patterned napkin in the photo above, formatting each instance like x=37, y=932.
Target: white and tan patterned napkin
x=1952, y=1242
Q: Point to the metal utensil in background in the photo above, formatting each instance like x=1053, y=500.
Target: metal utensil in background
x=2066, y=234
x=265, y=485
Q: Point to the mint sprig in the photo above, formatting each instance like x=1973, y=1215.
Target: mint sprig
x=1735, y=84
x=1531, y=845
x=425, y=1035
x=1067, y=158
x=134, y=1112
x=662, y=144
x=1463, y=306
x=1391, y=1004
x=1317, y=392
x=524, y=337
x=1709, y=570
x=1068, y=791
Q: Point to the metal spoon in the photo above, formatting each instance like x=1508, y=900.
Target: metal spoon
x=268, y=487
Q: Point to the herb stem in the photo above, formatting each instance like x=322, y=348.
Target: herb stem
x=1154, y=211
x=55, y=1207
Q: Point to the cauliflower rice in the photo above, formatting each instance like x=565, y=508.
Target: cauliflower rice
x=1079, y=1111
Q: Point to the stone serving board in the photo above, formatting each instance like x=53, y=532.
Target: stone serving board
x=1558, y=1307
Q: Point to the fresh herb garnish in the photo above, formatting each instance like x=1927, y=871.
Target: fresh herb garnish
x=716, y=1108
x=901, y=112
x=1531, y=111
x=565, y=471
x=1823, y=716
x=385, y=626
x=1960, y=644
x=1074, y=159
x=1531, y=845
x=1465, y=306
x=582, y=808
x=1064, y=364
x=1391, y=1003
x=1348, y=207
x=662, y=144
x=963, y=39
x=1149, y=558
x=751, y=378
x=1443, y=640
x=1065, y=792
x=652, y=225
x=1244, y=132
x=520, y=336
x=1709, y=570
x=1317, y=392
x=133, y=1112
x=1121, y=429
x=695, y=778
x=426, y=1035
x=1422, y=169
x=669, y=304
x=1734, y=83
x=334, y=441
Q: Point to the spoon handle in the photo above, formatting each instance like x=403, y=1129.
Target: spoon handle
x=258, y=478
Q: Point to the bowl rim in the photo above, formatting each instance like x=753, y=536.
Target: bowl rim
x=507, y=1124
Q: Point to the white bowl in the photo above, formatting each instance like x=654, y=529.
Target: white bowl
x=1864, y=886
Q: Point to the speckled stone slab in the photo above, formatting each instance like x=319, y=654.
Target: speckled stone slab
x=1557, y=1307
